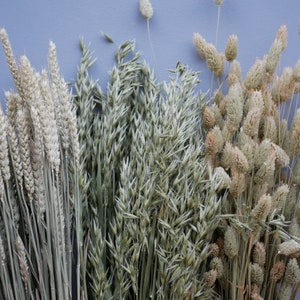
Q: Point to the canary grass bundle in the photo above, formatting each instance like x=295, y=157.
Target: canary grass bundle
x=256, y=152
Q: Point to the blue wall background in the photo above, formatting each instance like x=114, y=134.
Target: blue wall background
x=32, y=23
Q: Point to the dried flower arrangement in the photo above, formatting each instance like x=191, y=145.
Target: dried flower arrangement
x=150, y=190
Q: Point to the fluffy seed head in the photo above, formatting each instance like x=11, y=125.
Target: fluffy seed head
x=273, y=56
x=255, y=76
x=262, y=152
x=235, y=68
x=214, y=250
x=262, y=208
x=270, y=129
x=234, y=105
x=231, y=242
x=266, y=171
x=219, y=136
x=211, y=143
x=284, y=86
x=243, y=139
x=292, y=272
x=240, y=160
x=227, y=155
x=228, y=131
x=259, y=254
x=214, y=60
x=146, y=9
x=217, y=264
x=289, y=247
x=255, y=100
x=282, y=159
x=223, y=178
x=282, y=35
x=200, y=44
x=257, y=274
x=252, y=121
x=208, y=118
x=248, y=150
x=210, y=277
x=277, y=271
x=218, y=115
x=238, y=183
x=231, y=48
x=279, y=197
x=232, y=79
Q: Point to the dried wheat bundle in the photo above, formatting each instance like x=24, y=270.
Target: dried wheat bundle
x=38, y=163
